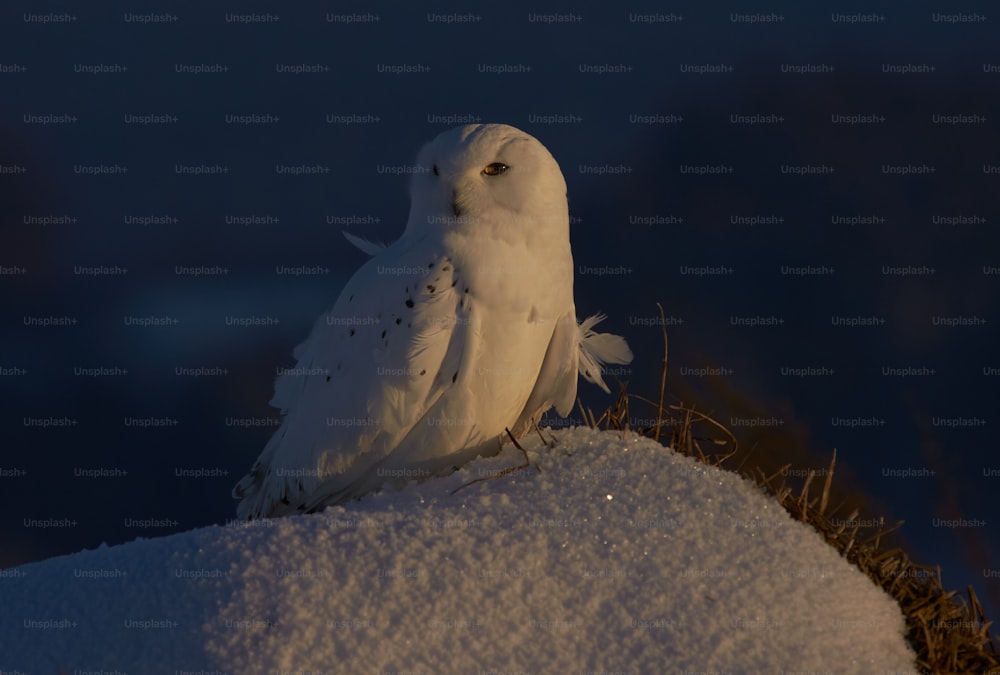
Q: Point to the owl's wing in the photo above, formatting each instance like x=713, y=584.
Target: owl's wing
x=595, y=349
x=556, y=383
x=369, y=371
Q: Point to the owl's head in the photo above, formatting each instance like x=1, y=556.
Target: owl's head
x=488, y=175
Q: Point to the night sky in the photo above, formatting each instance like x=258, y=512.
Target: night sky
x=811, y=194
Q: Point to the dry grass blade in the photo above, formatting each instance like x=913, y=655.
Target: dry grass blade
x=618, y=414
x=548, y=443
x=803, y=500
x=824, y=500
x=587, y=419
x=689, y=414
x=663, y=371
x=504, y=472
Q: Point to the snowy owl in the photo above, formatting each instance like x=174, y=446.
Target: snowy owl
x=462, y=328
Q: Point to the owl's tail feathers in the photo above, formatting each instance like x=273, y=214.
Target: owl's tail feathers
x=598, y=349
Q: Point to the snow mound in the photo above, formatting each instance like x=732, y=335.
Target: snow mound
x=620, y=555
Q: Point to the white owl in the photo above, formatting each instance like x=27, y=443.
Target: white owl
x=463, y=327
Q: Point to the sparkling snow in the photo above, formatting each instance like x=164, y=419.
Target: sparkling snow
x=620, y=555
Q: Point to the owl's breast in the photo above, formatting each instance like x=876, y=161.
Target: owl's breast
x=505, y=275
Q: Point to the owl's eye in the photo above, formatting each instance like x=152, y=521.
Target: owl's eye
x=436, y=172
x=495, y=169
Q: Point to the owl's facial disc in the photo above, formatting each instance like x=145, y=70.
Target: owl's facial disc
x=485, y=173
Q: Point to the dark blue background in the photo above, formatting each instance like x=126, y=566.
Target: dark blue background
x=41, y=475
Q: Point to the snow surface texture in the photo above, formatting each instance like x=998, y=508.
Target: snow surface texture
x=620, y=555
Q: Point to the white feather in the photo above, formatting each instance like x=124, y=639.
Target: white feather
x=367, y=245
x=597, y=349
